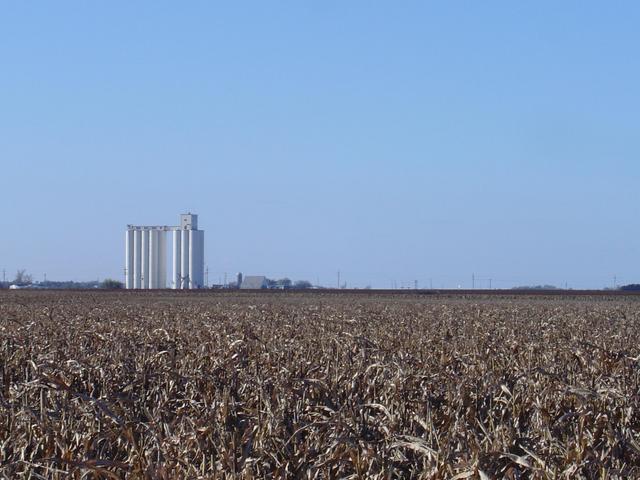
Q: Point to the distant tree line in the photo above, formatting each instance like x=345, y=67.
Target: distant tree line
x=632, y=287
x=110, y=283
x=278, y=284
x=67, y=285
x=287, y=284
x=25, y=280
x=22, y=279
x=536, y=287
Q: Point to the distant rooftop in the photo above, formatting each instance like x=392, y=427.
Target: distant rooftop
x=253, y=282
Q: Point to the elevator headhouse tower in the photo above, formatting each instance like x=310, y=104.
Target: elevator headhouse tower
x=146, y=255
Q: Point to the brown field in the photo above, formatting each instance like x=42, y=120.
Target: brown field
x=283, y=385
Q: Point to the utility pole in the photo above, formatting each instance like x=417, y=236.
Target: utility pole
x=473, y=281
x=615, y=282
x=489, y=284
x=338, y=279
x=206, y=277
x=225, y=279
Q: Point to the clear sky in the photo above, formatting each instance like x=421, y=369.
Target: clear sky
x=393, y=141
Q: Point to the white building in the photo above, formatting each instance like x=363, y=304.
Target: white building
x=146, y=255
x=253, y=282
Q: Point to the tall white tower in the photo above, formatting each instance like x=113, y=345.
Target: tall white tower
x=146, y=255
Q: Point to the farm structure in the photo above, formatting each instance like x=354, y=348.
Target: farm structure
x=146, y=255
x=253, y=282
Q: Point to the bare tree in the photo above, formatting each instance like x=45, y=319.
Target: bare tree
x=22, y=278
x=111, y=284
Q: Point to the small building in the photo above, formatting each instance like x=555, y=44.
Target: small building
x=253, y=282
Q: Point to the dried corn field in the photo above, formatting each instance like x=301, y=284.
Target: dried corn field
x=230, y=385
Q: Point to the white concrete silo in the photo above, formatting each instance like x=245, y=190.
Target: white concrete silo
x=153, y=259
x=184, y=258
x=129, y=258
x=177, y=263
x=137, y=258
x=196, y=259
x=145, y=259
x=162, y=259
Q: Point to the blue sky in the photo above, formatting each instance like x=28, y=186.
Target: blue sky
x=393, y=141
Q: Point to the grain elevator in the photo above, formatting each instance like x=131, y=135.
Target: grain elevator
x=146, y=255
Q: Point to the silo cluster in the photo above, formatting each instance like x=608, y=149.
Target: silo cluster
x=146, y=255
